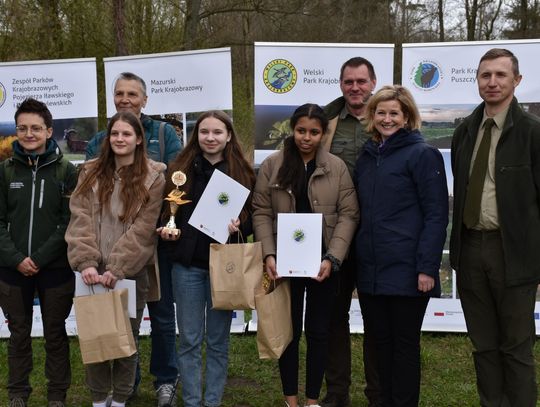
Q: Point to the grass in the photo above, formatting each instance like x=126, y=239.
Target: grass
x=447, y=374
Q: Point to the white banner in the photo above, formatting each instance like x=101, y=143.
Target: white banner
x=238, y=325
x=445, y=73
x=442, y=79
x=177, y=82
x=288, y=75
x=68, y=88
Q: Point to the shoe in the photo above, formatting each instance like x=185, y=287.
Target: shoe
x=56, y=403
x=335, y=400
x=166, y=395
x=17, y=402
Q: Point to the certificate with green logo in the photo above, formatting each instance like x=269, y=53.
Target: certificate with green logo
x=222, y=200
x=299, y=244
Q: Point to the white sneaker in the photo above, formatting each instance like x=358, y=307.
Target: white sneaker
x=166, y=395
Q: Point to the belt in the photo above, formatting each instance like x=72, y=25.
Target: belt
x=482, y=233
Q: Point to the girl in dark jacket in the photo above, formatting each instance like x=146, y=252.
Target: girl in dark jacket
x=213, y=145
x=401, y=187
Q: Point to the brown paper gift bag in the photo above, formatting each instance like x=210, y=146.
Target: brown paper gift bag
x=103, y=326
x=274, y=324
x=235, y=274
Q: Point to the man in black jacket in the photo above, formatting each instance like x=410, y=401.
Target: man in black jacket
x=495, y=239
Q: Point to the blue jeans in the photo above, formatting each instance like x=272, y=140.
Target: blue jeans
x=193, y=298
x=163, y=359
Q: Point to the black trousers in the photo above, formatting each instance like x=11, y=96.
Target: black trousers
x=394, y=322
x=317, y=322
x=55, y=303
x=500, y=323
x=338, y=365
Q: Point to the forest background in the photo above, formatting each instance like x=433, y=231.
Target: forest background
x=59, y=29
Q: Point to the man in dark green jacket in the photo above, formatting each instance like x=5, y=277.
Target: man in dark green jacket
x=345, y=138
x=35, y=185
x=495, y=242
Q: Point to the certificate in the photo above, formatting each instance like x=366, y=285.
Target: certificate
x=82, y=289
x=221, y=201
x=299, y=244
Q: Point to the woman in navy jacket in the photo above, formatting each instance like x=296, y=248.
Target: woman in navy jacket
x=401, y=187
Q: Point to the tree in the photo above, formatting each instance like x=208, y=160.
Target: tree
x=524, y=19
x=119, y=22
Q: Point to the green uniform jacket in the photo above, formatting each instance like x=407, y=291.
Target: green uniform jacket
x=34, y=209
x=517, y=177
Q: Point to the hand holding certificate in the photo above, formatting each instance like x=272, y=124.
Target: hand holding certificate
x=299, y=244
x=221, y=201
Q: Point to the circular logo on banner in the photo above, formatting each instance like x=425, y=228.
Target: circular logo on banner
x=280, y=76
x=2, y=94
x=427, y=75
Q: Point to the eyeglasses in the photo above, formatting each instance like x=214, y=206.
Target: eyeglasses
x=35, y=130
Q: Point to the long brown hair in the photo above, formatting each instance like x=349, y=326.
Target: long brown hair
x=101, y=171
x=292, y=170
x=238, y=167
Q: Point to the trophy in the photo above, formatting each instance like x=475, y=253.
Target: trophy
x=175, y=199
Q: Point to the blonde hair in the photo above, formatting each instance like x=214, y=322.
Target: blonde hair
x=406, y=101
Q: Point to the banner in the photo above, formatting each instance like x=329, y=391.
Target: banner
x=288, y=75
x=68, y=88
x=179, y=85
x=442, y=79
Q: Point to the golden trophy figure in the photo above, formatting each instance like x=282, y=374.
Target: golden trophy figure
x=175, y=199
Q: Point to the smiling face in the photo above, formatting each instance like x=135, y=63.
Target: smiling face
x=497, y=82
x=308, y=134
x=356, y=86
x=389, y=118
x=213, y=138
x=124, y=140
x=32, y=133
x=129, y=96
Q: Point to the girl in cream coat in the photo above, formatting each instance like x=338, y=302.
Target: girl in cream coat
x=111, y=235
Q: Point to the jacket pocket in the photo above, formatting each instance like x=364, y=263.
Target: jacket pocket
x=514, y=168
x=329, y=221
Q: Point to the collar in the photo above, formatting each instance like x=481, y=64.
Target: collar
x=499, y=118
x=345, y=112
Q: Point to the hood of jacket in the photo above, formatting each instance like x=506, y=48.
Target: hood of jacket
x=335, y=107
x=52, y=152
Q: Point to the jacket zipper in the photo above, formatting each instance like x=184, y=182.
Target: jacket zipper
x=379, y=159
x=41, y=193
x=32, y=201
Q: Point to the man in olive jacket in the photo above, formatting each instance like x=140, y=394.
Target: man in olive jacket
x=495, y=242
x=345, y=138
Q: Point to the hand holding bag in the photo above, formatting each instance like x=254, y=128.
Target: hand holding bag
x=274, y=323
x=103, y=326
x=235, y=274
